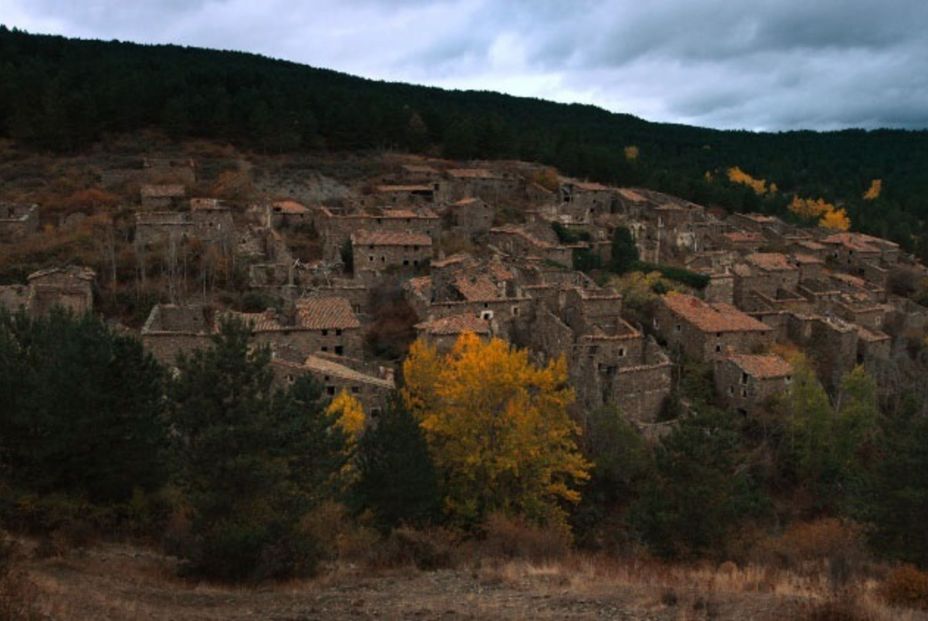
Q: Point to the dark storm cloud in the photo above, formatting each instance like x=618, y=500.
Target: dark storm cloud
x=775, y=64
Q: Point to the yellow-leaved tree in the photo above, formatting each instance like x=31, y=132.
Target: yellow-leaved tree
x=349, y=413
x=736, y=175
x=874, y=191
x=631, y=153
x=498, y=429
x=835, y=219
x=349, y=416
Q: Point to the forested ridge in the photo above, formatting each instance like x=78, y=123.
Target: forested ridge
x=63, y=94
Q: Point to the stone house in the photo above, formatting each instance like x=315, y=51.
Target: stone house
x=375, y=251
x=742, y=241
x=332, y=325
x=516, y=240
x=406, y=194
x=68, y=287
x=334, y=375
x=745, y=382
x=171, y=330
x=581, y=201
x=472, y=216
x=443, y=332
x=288, y=213
x=418, y=173
x=767, y=276
x=478, y=183
x=169, y=196
x=706, y=331
x=18, y=220
x=853, y=250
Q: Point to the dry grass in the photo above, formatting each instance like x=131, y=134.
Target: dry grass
x=115, y=581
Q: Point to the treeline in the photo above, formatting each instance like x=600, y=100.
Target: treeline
x=247, y=481
x=63, y=94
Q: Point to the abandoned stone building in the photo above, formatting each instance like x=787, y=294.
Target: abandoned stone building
x=207, y=221
x=444, y=331
x=171, y=330
x=70, y=288
x=748, y=382
x=471, y=216
x=333, y=376
x=481, y=183
x=517, y=240
x=287, y=213
x=18, y=220
x=405, y=194
x=376, y=251
x=581, y=201
x=763, y=279
x=704, y=331
x=162, y=196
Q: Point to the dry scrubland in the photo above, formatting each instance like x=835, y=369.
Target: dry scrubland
x=424, y=575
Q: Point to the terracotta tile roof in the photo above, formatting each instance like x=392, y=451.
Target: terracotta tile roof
x=390, y=238
x=810, y=245
x=419, y=168
x=771, y=261
x=454, y=324
x=322, y=366
x=82, y=273
x=421, y=285
x=743, y=236
x=852, y=241
x=871, y=336
x=805, y=259
x=289, y=207
x=162, y=191
x=464, y=202
x=265, y=321
x=326, y=313
x=759, y=217
x=515, y=229
x=476, y=288
x=631, y=195
x=589, y=186
x=472, y=173
x=453, y=259
x=385, y=189
x=401, y=214
x=499, y=271
x=762, y=366
x=717, y=317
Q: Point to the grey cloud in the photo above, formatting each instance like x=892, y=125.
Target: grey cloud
x=766, y=64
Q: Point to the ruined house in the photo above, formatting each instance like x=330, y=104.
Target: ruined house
x=334, y=376
x=472, y=216
x=705, y=331
x=747, y=382
x=581, y=201
x=376, y=251
x=444, y=331
x=18, y=220
x=169, y=196
x=172, y=329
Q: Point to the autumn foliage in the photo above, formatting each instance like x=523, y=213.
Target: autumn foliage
x=498, y=429
x=874, y=191
x=828, y=215
x=736, y=175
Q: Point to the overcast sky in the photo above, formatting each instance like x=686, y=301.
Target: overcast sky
x=755, y=64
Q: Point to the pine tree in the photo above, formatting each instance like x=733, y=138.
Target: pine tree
x=252, y=461
x=397, y=479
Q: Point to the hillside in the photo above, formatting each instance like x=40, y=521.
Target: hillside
x=63, y=94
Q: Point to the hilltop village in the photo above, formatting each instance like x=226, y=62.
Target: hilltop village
x=339, y=283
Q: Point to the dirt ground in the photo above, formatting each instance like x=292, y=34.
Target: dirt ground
x=111, y=581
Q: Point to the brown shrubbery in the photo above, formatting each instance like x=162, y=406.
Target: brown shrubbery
x=906, y=586
x=510, y=537
x=18, y=595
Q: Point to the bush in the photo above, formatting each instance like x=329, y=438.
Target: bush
x=512, y=537
x=906, y=586
x=834, y=610
x=18, y=594
x=679, y=274
x=425, y=549
x=825, y=539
